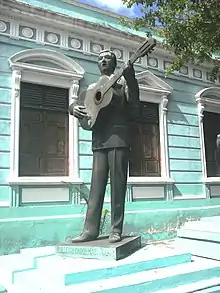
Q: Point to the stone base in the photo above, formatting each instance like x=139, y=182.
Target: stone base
x=100, y=248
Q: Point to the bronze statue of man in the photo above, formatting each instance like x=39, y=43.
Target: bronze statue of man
x=110, y=146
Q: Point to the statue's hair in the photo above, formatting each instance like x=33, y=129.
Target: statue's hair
x=112, y=55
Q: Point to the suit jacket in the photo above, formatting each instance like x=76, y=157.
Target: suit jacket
x=111, y=129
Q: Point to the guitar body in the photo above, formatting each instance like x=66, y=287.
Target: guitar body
x=94, y=99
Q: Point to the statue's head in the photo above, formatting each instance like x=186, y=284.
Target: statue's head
x=107, y=62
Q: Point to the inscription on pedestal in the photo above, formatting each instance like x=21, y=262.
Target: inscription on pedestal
x=100, y=248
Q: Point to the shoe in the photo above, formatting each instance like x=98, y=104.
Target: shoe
x=115, y=237
x=84, y=237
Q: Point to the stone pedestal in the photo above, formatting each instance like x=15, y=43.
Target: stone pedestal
x=100, y=248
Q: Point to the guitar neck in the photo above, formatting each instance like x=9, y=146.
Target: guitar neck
x=115, y=77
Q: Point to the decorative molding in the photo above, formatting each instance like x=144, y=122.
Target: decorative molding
x=51, y=56
x=3, y=27
x=27, y=32
x=207, y=99
x=74, y=88
x=17, y=80
x=67, y=77
x=201, y=108
x=164, y=103
x=92, y=45
x=169, y=191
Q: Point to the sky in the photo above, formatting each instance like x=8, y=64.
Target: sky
x=113, y=5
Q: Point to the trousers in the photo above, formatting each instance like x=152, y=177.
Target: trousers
x=114, y=160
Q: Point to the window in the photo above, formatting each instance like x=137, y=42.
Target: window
x=211, y=126
x=44, y=138
x=208, y=100
x=149, y=149
x=145, y=145
x=43, y=141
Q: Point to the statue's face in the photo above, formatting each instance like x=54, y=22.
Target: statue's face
x=106, y=63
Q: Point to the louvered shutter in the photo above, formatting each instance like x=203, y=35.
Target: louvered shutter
x=144, y=112
x=43, y=144
x=47, y=97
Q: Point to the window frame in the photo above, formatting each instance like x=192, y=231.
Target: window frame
x=155, y=90
x=208, y=99
x=62, y=72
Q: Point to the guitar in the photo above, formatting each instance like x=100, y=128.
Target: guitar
x=100, y=94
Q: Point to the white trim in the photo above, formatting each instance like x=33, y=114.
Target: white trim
x=65, y=180
x=212, y=180
x=187, y=197
x=4, y=204
x=207, y=99
x=149, y=180
x=67, y=77
x=47, y=55
x=155, y=90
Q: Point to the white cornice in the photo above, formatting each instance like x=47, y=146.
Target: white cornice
x=62, y=22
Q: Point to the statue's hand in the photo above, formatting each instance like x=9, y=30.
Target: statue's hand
x=79, y=111
x=129, y=73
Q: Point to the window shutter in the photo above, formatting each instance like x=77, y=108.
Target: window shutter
x=43, y=141
x=47, y=97
x=144, y=112
x=145, y=144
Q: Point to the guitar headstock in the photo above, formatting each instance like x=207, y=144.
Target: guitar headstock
x=147, y=47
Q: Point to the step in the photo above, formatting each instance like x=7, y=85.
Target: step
x=39, y=251
x=154, y=280
x=168, y=278
x=9, y=264
x=214, y=219
x=67, y=271
x=200, y=230
x=23, y=261
x=2, y=289
x=200, y=248
x=206, y=286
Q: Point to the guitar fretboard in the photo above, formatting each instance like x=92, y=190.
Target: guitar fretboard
x=144, y=49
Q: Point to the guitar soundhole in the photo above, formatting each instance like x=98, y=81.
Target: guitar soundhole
x=98, y=97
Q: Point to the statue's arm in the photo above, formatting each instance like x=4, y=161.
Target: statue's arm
x=132, y=90
x=131, y=84
x=77, y=109
x=72, y=107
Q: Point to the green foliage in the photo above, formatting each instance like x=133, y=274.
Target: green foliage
x=190, y=28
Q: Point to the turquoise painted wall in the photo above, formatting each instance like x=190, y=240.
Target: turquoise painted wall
x=5, y=112
x=183, y=139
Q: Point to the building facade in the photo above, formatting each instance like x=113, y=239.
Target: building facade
x=48, y=56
